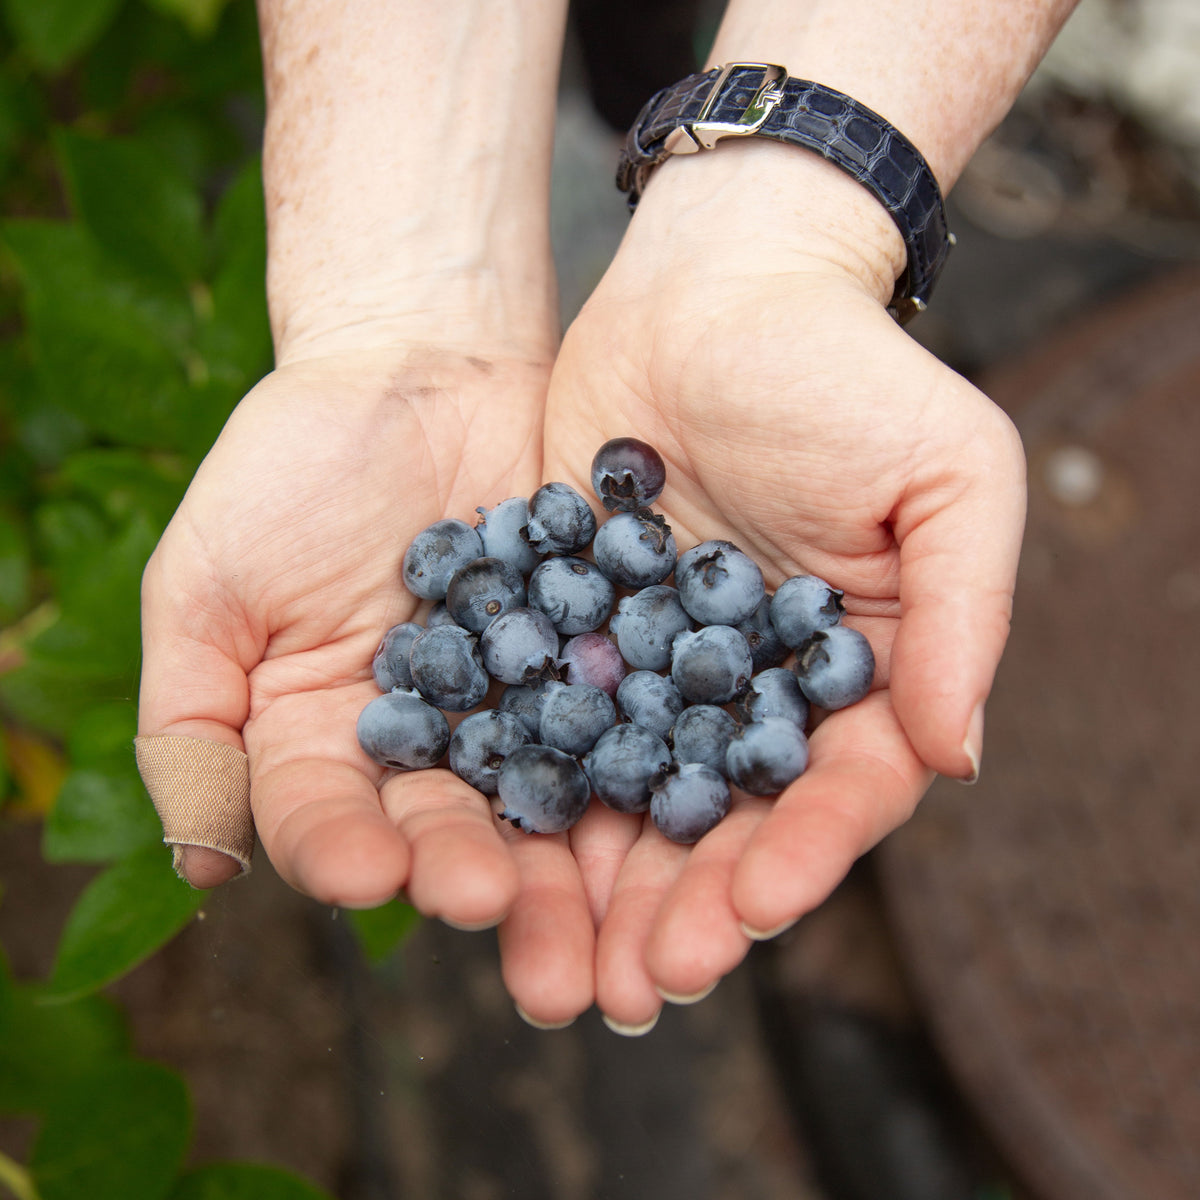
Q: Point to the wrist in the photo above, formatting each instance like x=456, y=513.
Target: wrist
x=770, y=208
x=458, y=298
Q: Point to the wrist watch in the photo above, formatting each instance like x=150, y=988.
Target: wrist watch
x=744, y=99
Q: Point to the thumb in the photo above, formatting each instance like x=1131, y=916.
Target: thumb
x=960, y=538
x=194, y=700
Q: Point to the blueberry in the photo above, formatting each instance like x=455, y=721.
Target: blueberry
x=646, y=624
x=524, y=701
x=481, y=743
x=649, y=700
x=621, y=765
x=687, y=800
x=835, y=667
x=520, y=646
x=543, y=790
x=774, y=692
x=718, y=583
x=447, y=668
x=574, y=715
x=766, y=647
x=765, y=756
x=593, y=658
x=390, y=664
x=802, y=605
x=635, y=549
x=560, y=520
x=712, y=665
x=627, y=474
x=398, y=729
x=439, y=614
x=573, y=593
x=702, y=733
x=502, y=531
x=435, y=554
x=482, y=590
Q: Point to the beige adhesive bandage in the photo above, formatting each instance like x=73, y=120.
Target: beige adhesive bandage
x=201, y=791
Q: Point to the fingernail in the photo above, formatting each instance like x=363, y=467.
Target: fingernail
x=630, y=1030
x=477, y=927
x=765, y=935
x=542, y=1024
x=672, y=998
x=973, y=744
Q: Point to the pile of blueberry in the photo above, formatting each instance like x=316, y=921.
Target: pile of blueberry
x=685, y=693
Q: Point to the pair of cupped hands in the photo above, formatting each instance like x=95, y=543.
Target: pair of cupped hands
x=796, y=419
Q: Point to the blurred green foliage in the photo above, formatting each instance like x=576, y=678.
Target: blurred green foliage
x=132, y=320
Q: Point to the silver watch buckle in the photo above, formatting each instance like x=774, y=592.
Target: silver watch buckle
x=703, y=134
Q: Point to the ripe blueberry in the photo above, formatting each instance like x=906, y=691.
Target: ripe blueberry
x=627, y=474
x=542, y=789
x=398, y=729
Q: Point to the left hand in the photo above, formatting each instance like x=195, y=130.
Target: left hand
x=798, y=421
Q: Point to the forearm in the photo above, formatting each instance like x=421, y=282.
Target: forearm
x=406, y=165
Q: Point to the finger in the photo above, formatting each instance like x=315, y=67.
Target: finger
x=697, y=937
x=316, y=800
x=600, y=843
x=193, y=701
x=205, y=868
x=625, y=991
x=322, y=826
x=958, y=562
x=462, y=869
x=547, y=942
x=863, y=780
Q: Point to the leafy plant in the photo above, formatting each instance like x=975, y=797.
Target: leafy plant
x=132, y=319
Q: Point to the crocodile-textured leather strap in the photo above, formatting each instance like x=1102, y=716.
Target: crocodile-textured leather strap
x=761, y=100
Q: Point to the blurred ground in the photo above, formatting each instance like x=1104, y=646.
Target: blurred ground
x=811, y=1073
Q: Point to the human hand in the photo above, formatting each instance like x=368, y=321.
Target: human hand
x=798, y=421
x=263, y=605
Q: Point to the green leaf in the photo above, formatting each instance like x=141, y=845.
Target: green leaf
x=226, y=67
x=120, y=1132
x=46, y=695
x=245, y=1181
x=136, y=203
x=124, y=915
x=64, y=530
x=97, y=816
x=108, y=346
x=15, y=567
x=239, y=332
x=44, y=1047
x=100, y=593
x=52, y=32
x=16, y=477
x=22, y=110
x=381, y=931
x=103, y=736
x=49, y=433
x=90, y=654
x=200, y=16
x=127, y=482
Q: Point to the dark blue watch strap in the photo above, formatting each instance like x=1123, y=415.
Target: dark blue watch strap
x=761, y=100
